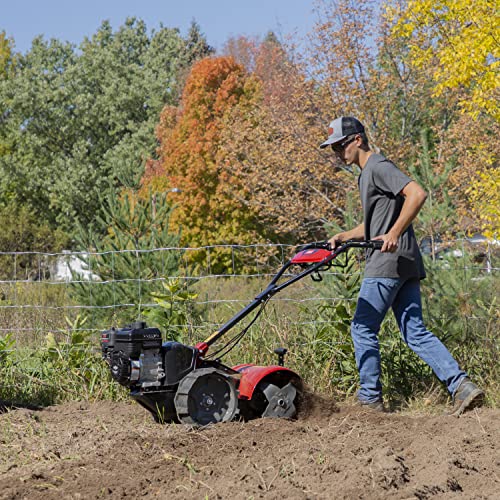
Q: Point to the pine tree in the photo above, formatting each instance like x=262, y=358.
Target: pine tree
x=131, y=261
x=438, y=215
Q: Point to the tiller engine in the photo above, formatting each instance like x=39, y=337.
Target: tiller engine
x=181, y=383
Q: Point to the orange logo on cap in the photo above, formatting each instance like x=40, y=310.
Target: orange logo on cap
x=330, y=131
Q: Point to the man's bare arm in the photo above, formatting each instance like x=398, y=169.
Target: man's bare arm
x=357, y=233
x=415, y=197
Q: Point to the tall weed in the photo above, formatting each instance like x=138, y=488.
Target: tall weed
x=173, y=313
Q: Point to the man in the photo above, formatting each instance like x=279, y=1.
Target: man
x=390, y=201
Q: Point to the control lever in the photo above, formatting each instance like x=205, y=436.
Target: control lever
x=281, y=351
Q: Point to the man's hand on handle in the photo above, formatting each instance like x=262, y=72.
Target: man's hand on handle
x=336, y=240
x=390, y=242
x=358, y=233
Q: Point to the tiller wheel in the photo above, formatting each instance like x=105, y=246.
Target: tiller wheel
x=281, y=401
x=206, y=396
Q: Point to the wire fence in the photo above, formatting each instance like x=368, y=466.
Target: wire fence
x=43, y=293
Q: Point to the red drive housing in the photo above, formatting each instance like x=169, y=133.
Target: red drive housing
x=311, y=256
x=252, y=375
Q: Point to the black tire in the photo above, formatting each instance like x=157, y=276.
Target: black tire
x=206, y=396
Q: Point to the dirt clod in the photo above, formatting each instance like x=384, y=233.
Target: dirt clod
x=312, y=406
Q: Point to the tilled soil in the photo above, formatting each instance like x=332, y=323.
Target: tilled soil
x=115, y=450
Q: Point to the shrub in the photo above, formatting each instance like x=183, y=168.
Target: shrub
x=174, y=311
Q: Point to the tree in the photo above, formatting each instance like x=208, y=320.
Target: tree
x=7, y=65
x=438, y=215
x=7, y=59
x=83, y=118
x=35, y=125
x=136, y=253
x=211, y=200
x=371, y=76
x=293, y=183
x=459, y=40
x=196, y=45
x=472, y=146
x=361, y=69
x=485, y=197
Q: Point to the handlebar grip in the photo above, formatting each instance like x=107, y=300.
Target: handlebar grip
x=325, y=245
x=376, y=244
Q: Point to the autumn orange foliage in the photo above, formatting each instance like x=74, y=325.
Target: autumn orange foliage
x=211, y=198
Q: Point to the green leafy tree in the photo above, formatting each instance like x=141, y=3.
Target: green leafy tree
x=438, y=215
x=81, y=118
x=174, y=310
x=197, y=45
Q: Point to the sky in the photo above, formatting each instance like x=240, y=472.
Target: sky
x=72, y=20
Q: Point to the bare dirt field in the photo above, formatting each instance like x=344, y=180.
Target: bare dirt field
x=115, y=450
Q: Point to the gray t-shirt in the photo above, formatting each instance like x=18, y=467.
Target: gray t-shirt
x=380, y=183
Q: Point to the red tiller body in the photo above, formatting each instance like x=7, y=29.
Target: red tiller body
x=252, y=375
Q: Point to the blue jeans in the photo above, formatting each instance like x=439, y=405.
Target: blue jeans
x=375, y=298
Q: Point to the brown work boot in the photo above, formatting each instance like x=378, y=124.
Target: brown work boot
x=374, y=406
x=467, y=396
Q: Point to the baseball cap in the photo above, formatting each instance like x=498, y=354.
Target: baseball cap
x=341, y=127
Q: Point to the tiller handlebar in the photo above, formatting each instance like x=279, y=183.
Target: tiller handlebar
x=313, y=257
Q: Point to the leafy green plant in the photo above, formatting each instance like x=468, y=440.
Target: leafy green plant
x=438, y=215
x=174, y=309
x=6, y=347
x=75, y=345
x=74, y=353
x=72, y=365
